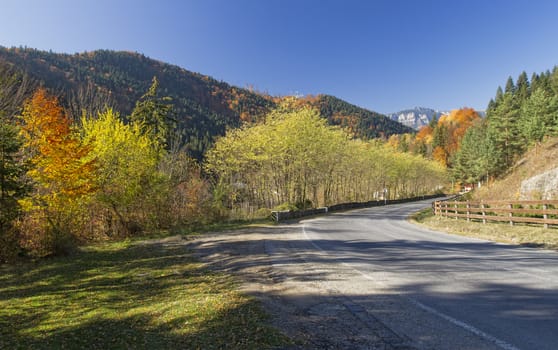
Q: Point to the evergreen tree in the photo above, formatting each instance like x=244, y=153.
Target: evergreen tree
x=433, y=122
x=533, y=123
x=478, y=156
x=491, y=105
x=153, y=114
x=497, y=100
x=534, y=82
x=503, y=123
x=499, y=95
x=522, y=87
x=11, y=171
x=554, y=80
x=510, y=86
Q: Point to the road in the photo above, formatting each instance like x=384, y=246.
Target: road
x=369, y=279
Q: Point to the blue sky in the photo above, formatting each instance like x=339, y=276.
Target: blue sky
x=383, y=55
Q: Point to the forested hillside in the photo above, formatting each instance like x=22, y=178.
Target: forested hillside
x=361, y=122
x=203, y=107
x=520, y=116
x=479, y=150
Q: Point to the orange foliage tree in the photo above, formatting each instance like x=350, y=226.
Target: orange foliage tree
x=456, y=124
x=443, y=140
x=61, y=175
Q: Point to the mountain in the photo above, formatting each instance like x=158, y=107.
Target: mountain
x=417, y=117
x=361, y=122
x=203, y=107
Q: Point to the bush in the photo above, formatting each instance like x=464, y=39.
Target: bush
x=286, y=207
x=39, y=239
x=262, y=213
x=9, y=245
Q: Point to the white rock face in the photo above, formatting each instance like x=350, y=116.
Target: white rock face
x=416, y=118
x=540, y=187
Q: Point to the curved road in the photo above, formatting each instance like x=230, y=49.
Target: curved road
x=432, y=290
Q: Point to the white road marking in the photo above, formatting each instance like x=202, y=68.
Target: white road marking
x=464, y=325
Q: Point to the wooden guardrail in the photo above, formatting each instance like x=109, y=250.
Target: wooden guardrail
x=534, y=212
x=295, y=214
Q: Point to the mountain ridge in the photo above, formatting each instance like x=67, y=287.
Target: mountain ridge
x=204, y=107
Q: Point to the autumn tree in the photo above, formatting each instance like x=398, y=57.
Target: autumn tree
x=448, y=132
x=59, y=168
x=126, y=176
x=295, y=160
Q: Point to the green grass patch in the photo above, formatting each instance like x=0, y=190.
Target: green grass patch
x=422, y=215
x=139, y=295
x=525, y=235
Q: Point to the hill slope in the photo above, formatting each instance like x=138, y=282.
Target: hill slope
x=535, y=162
x=204, y=107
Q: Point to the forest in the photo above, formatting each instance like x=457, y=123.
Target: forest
x=67, y=181
x=75, y=170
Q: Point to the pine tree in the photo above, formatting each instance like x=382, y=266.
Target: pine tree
x=510, y=87
x=503, y=122
x=12, y=186
x=477, y=158
x=534, y=81
x=499, y=95
x=152, y=113
x=554, y=80
x=522, y=87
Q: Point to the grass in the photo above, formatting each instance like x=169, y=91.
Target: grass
x=531, y=236
x=128, y=294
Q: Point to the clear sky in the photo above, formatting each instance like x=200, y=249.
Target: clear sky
x=385, y=55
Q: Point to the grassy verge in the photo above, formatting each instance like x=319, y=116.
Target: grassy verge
x=136, y=295
x=532, y=236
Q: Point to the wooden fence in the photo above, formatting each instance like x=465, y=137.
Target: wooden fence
x=533, y=212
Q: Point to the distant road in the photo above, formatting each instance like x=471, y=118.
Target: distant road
x=437, y=290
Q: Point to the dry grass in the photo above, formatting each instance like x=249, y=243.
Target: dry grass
x=536, y=161
x=524, y=235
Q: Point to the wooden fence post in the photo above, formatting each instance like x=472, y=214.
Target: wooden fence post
x=468, y=211
x=545, y=216
x=483, y=213
x=510, y=206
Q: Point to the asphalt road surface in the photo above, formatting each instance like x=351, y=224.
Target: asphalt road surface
x=369, y=279
x=503, y=295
